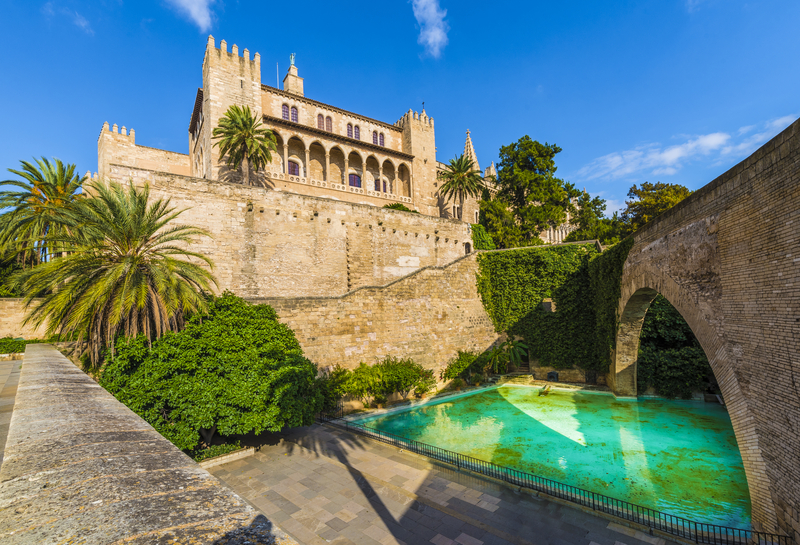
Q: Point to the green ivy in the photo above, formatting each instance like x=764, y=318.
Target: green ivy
x=584, y=286
x=481, y=240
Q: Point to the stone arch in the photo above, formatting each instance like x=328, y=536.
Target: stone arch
x=277, y=155
x=297, y=154
x=372, y=174
x=316, y=163
x=355, y=165
x=389, y=176
x=640, y=286
x=336, y=174
x=404, y=180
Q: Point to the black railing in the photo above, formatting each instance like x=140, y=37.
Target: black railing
x=332, y=414
x=655, y=520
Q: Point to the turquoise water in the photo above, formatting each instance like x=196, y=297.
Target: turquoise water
x=679, y=457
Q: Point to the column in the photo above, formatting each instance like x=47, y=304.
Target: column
x=327, y=173
x=286, y=158
x=380, y=177
x=308, y=163
x=346, y=173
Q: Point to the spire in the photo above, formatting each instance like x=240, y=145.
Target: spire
x=469, y=151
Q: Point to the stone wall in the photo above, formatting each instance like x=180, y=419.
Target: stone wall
x=728, y=259
x=268, y=243
x=12, y=314
x=80, y=467
x=427, y=316
x=118, y=145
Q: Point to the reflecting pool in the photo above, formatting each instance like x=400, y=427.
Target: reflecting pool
x=679, y=457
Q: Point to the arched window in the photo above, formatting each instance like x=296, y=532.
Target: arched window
x=375, y=137
x=477, y=217
x=357, y=134
x=294, y=114
x=320, y=122
x=468, y=248
x=286, y=112
x=381, y=140
x=328, y=124
x=294, y=169
x=355, y=180
x=377, y=185
x=349, y=130
x=384, y=186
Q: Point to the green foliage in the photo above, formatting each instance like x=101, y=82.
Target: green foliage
x=427, y=382
x=670, y=357
x=526, y=181
x=215, y=450
x=461, y=180
x=333, y=385
x=496, y=361
x=243, y=142
x=501, y=225
x=122, y=272
x=590, y=223
x=461, y=365
x=399, y=375
x=14, y=346
x=481, y=239
x=234, y=370
x=605, y=278
x=584, y=286
x=7, y=269
x=363, y=383
x=388, y=376
x=649, y=201
x=515, y=351
x=400, y=206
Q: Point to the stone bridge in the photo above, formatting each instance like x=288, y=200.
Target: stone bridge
x=728, y=258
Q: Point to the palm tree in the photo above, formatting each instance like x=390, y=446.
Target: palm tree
x=27, y=230
x=244, y=141
x=122, y=271
x=461, y=180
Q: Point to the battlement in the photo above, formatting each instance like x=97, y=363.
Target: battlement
x=131, y=137
x=255, y=63
x=411, y=115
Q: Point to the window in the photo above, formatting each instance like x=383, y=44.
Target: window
x=355, y=180
x=375, y=137
x=381, y=140
x=477, y=217
x=468, y=248
x=377, y=185
x=384, y=186
x=294, y=114
x=320, y=122
x=328, y=124
x=286, y=112
x=349, y=130
x=357, y=133
x=294, y=168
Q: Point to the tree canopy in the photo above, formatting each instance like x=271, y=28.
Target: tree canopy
x=461, y=180
x=243, y=141
x=232, y=370
x=648, y=201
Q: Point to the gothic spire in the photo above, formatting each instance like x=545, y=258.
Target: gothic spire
x=469, y=151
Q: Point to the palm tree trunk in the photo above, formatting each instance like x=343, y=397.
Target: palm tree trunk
x=245, y=169
x=461, y=207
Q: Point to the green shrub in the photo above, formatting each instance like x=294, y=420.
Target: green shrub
x=399, y=375
x=333, y=385
x=214, y=451
x=234, y=370
x=363, y=383
x=476, y=378
x=461, y=365
x=399, y=206
x=15, y=346
x=481, y=240
x=457, y=383
x=427, y=382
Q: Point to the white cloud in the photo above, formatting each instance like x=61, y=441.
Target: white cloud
x=433, y=28
x=657, y=160
x=50, y=10
x=692, y=5
x=199, y=11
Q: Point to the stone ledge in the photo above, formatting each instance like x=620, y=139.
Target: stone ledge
x=226, y=458
x=81, y=467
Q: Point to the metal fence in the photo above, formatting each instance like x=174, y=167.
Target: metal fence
x=656, y=520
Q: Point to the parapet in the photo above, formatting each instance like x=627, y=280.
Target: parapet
x=131, y=136
x=411, y=115
x=234, y=53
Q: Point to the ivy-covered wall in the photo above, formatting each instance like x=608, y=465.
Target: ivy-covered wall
x=584, y=286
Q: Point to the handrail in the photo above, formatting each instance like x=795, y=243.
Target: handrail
x=656, y=520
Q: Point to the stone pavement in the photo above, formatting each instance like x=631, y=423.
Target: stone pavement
x=9, y=378
x=325, y=485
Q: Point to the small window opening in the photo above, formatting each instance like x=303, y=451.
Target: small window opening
x=285, y=112
x=355, y=180
x=294, y=168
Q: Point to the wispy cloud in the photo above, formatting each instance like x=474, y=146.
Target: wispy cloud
x=693, y=5
x=657, y=160
x=50, y=10
x=199, y=11
x=432, y=26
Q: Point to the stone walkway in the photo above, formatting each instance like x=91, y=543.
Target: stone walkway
x=9, y=378
x=324, y=485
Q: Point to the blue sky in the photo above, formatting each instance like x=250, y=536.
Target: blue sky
x=673, y=90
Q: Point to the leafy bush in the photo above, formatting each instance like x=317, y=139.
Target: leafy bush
x=457, y=383
x=363, y=383
x=15, y=346
x=214, y=451
x=333, y=385
x=234, y=370
x=670, y=357
x=427, y=382
x=398, y=375
x=399, y=206
x=481, y=239
x=461, y=365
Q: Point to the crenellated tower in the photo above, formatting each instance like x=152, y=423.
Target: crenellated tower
x=228, y=79
x=419, y=140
